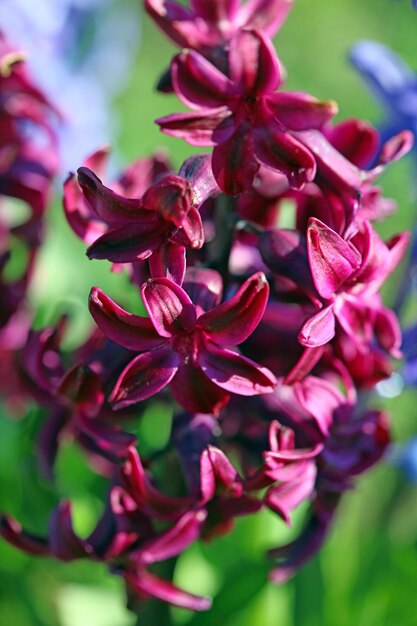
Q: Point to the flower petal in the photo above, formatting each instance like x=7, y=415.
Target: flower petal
x=285, y=497
x=169, y=307
x=318, y=329
x=233, y=321
x=204, y=286
x=197, y=82
x=332, y=259
x=143, y=377
x=265, y=15
x=128, y=243
x=170, y=197
x=235, y=372
x=233, y=161
x=169, y=262
x=64, y=544
x=196, y=127
x=195, y=392
x=111, y=207
x=297, y=110
x=283, y=152
x=253, y=62
x=171, y=542
x=148, y=585
x=128, y=330
x=14, y=534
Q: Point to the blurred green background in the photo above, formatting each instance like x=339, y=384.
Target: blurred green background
x=366, y=574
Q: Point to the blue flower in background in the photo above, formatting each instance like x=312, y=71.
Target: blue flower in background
x=405, y=457
x=393, y=83
x=88, y=47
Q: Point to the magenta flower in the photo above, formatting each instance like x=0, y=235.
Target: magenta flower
x=241, y=115
x=207, y=25
x=132, y=183
x=184, y=347
x=347, y=276
x=158, y=227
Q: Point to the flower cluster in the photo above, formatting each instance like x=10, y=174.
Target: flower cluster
x=28, y=162
x=258, y=336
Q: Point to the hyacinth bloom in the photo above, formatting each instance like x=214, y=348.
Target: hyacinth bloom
x=124, y=539
x=182, y=346
x=28, y=160
x=207, y=25
x=74, y=397
x=241, y=115
x=347, y=276
x=355, y=443
x=132, y=183
x=157, y=227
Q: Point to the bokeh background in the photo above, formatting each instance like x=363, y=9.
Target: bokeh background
x=366, y=575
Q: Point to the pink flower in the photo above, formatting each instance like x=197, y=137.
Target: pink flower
x=347, y=276
x=185, y=347
x=241, y=115
x=207, y=25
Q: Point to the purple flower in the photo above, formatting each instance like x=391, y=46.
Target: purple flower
x=184, y=347
x=75, y=398
x=208, y=25
x=241, y=116
x=347, y=276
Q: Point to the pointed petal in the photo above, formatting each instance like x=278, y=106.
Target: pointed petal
x=197, y=170
x=143, y=492
x=388, y=332
x=358, y=141
x=191, y=233
x=234, y=372
x=196, y=127
x=48, y=440
x=396, y=147
x=143, y=377
x=195, y=392
x=104, y=439
x=356, y=318
x=221, y=11
x=131, y=331
x=283, y=152
x=297, y=110
x=253, y=62
x=318, y=329
x=168, y=261
x=233, y=321
x=285, y=497
x=169, y=307
x=173, y=541
x=198, y=83
x=233, y=161
x=217, y=471
x=129, y=243
x=170, y=197
x=14, y=534
x=111, y=207
x=148, y=585
x=80, y=216
x=204, y=286
x=265, y=15
x=176, y=21
x=332, y=259
x=64, y=544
